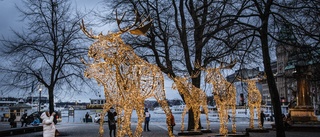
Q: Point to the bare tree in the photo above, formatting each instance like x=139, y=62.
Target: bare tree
x=271, y=18
x=47, y=51
x=257, y=20
x=186, y=35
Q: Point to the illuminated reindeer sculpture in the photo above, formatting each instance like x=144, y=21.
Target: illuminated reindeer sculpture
x=224, y=94
x=194, y=98
x=254, y=101
x=127, y=79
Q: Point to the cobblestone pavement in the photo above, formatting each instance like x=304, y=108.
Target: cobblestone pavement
x=157, y=130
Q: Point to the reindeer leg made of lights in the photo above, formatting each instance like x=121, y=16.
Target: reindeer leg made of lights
x=119, y=120
x=165, y=107
x=223, y=116
x=234, y=117
x=122, y=127
x=195, y=104
x=197, y=112
x=233, y=91
x=206, y=111
x=141, y=119
x=221, y=108
x=185, y=110
x=203, y=103
x=106, y=107
x=251, y=109
x=259, y=115
x=127, y=121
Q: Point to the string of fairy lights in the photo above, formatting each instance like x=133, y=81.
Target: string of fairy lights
x=194, y=98
x=224, y=94
x=254, y=101
x=128, y=81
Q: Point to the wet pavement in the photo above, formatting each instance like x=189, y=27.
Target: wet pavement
x=158, y=129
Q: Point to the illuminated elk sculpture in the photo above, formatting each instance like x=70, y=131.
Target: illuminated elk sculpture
x=254, y=101
x=127, y=79
x=194, y=98
x=224, y=94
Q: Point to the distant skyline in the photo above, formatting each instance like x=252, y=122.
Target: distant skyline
x=10, y=19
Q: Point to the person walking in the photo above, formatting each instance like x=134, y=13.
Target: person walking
x=287, y=122
x=12, y=119
x=49, y=129
x=112, y=121
x=23, y=120
x=147, y=119
x=87, y=117
x=262, y=116
x=172, y=121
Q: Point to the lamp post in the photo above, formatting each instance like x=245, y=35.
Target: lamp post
x=40, y=89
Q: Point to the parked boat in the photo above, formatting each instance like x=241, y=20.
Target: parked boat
x=174, y=109
x=241, y=112
x=64, y=113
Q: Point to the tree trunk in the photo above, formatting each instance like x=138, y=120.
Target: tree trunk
x=51, y=99
x=270, y=79
x=191, y=124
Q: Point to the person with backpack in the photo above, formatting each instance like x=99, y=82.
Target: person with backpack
x=112, y=121
x=147, y=119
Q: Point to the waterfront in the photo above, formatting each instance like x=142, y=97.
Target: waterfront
x=79, y=115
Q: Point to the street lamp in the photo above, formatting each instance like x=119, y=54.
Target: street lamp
x=40, y=89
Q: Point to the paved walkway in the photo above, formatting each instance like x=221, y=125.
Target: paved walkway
x=157, y=130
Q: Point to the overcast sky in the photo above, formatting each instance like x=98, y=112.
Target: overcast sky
x=10, y=18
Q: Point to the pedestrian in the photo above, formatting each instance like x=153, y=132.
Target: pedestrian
x=87, y=117
x=23, y=119
x=262, y=116
x=147, y=119
x=229, y=118
x=49, y=129
x=112, y=121
x=35, y=122
x=172, y=121
x=287, y=122
x=12, y=119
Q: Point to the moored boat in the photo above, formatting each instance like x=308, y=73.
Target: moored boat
x=174, y=109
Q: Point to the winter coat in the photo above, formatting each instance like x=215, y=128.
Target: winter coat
x=48, y=125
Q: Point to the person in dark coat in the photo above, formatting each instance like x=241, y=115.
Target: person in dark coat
x=262, y=116
x=24, y=120
x=12, y=119
x=112, y=122
x=87, y=117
